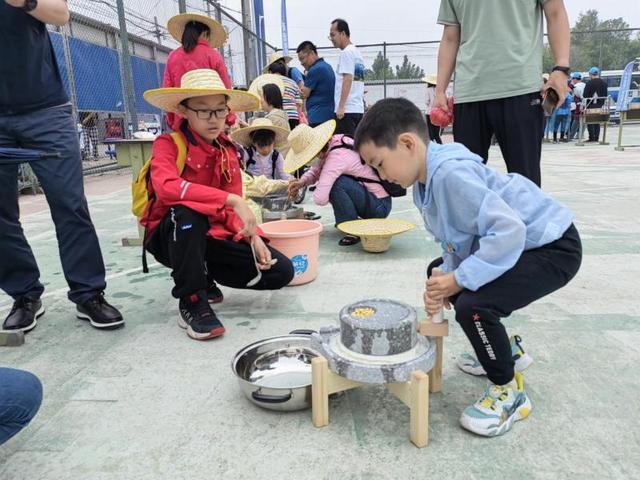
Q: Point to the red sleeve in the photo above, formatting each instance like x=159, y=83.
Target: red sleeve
x=173, y=189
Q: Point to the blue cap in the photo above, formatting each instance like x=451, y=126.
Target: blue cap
x=576, y=76
x=594, y=71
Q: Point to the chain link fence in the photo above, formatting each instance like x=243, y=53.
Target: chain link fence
x=105, y=79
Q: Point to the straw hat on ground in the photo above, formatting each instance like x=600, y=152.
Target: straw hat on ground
x=217, y=33
x=264, y=79
x=431, y=78
x=305, y=143
x=375, y=233
x=273, y=58
x=200, y=83
x=243, y=135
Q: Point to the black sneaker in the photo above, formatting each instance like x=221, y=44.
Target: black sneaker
x=197, y=317
x=214, y=294
x=24, y=315
x=100, y=313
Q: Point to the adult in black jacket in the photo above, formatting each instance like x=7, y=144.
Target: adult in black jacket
x=595, y=93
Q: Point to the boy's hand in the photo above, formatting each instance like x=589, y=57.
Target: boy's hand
x=442, y=287
x=263, y=254
x=244, y=212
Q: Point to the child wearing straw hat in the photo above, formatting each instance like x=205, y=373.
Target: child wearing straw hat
x=197, y=222
x=352, y=188
x=199, y=36
x=505, y=244
x=430, y=99
x=260, y=155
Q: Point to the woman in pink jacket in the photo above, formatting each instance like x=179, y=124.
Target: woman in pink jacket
x=341, y=178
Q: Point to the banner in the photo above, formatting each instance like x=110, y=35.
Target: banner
x=258, y=22
x=285, y=31
x=625, y=84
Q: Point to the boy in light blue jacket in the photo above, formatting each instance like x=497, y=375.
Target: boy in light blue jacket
x=505, y=243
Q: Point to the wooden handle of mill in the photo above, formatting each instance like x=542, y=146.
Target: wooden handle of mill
x=438, y=317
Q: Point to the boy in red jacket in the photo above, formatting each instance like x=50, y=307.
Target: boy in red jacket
x=197, y=222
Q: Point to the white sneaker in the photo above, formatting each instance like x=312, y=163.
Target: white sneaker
x=470, y=364
x=498, y=409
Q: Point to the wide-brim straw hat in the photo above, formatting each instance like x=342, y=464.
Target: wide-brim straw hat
x=243, y=135
x=217, y=33
x=431, y=78
x=264, y=79
x=375, y=233
x=305, y=143
x=200, y=83
x=273, y=58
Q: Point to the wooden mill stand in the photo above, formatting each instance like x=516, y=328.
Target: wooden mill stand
x=414, y=393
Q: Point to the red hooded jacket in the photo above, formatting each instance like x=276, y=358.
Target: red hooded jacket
x=203, y=186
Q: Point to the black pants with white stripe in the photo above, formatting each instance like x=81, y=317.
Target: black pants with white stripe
x=517, y=122
x=537, y=273
x=181, y=243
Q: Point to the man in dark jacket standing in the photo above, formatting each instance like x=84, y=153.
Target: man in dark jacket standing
x=595, y=93
x=35, y=113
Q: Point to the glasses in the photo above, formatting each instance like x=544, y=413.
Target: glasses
x=219, y=113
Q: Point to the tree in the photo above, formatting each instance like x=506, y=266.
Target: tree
x=408, y=69
x=594, y=43
x=376, y=72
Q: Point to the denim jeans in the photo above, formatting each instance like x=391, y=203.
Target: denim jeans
x=20, y=399
x=351, y=200
x=50, y=130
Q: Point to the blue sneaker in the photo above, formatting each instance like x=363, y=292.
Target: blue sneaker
x=470, y=364
x=498, y=409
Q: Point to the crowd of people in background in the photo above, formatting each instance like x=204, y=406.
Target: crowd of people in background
x=563, y=125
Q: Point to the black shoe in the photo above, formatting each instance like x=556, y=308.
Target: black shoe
x=348, y=240
x=99, y=313
x=197, y=317
x=24, y=314
x=214, y=294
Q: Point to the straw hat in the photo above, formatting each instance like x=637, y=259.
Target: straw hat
x=200, y=83
x=375, y=233
x=273, y=58
x=243, y=135
x=306, y=143
x=217, y=33
x=262, y=80
x=431, y=78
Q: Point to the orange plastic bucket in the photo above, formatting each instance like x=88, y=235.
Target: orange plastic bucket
x=299, y=240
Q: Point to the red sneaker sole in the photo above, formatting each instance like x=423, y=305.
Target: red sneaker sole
x=216, y=332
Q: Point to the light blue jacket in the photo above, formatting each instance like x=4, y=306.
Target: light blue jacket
x=483, y=219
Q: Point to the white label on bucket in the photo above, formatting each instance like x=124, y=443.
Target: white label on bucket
x=300, y=264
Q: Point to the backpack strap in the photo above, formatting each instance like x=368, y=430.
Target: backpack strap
x=250, y=161
x=274, y=160
x=182, y=151
x=181, y=160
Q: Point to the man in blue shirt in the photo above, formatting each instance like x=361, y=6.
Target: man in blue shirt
x=318, y=86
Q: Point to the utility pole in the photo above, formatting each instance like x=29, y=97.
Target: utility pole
x=248, y=42
x=218, y=15
x=182, y=6
x=156, y=31
x=129, y=98
x=230, y=64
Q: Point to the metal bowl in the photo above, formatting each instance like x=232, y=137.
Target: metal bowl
x=275, y=373
x=278, y=202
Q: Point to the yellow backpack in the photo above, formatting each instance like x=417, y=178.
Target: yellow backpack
x=139, y=190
